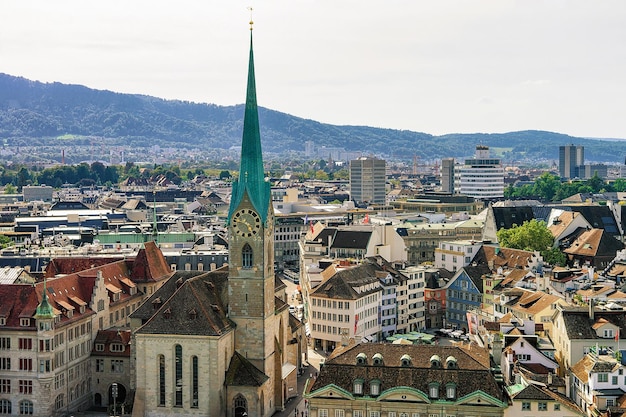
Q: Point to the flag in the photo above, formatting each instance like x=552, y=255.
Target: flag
x=617, y=335
x=311, y=225
x=356, y=321
x=367, y=219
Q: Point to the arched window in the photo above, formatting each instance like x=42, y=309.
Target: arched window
x=178, y=363
x=161, y=360
x=433, y=390
x=246, y=256
x=240, y=406
x=5, y=407
x=358, y=386
x=194, y=382
x=26, y=408
x=59, y=402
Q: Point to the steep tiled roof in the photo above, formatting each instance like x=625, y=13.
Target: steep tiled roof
x=194, y=308
x=17, y=301
x=471, y=376
x=579, y=325
x=243, y=373
x=594, y=242
x=165, y=291
x=476, y=274
x=503, y=257
x=150, y=264
x=75, y=264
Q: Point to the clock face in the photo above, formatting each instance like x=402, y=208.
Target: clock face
x=246, y=223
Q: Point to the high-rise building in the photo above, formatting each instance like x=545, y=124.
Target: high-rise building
x=571, y=159
x=447, y=175
x=480, y=177
x=367, y=180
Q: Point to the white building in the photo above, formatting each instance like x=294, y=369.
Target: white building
x=480, y=177
x=456, y=254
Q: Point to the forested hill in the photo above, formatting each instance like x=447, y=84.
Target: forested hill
x=32, y=112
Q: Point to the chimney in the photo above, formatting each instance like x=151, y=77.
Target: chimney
x=591, y=312
x=549, y=379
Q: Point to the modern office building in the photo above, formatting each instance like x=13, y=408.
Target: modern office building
x=571, y=159
x=447, y=175
x=481, y=177
x=367, y=180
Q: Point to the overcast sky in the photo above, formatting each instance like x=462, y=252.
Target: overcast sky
x=436, y=66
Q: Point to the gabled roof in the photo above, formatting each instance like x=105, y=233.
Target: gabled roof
x=243, y=373
x=594, y=242
x=150, y=264
x=599, y=217
x=503, y=257
x=72, y=265
x=195, y=308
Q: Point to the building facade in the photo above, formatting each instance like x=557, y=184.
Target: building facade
x=571, y=161
x=481, y=177
x=367, y=180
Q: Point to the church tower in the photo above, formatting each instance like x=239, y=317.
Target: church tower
x=251, y=303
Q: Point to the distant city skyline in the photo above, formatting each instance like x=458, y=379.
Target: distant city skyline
x=487, y=66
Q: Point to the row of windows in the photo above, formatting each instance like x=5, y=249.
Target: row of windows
x=178, y=378
x=334, y=304
x=26, y=364
x=331, y=317
x=116, y=365
x=25, y=407
x=541, y=406
x=25, y=386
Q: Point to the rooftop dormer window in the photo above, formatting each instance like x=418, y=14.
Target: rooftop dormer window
x=375, y=387
x=361, y=359
x=451, y=363
x=435, y=361
x=358, y=386
x=450, y=391
x=433, y=390
x=25, y=322
x=117, y=347
x=378, y=359
x=405, y=360
x=3, y=321
x=99, y=347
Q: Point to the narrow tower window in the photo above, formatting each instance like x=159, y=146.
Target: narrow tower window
x=179, y=376
x=246, y=256
x=161, y=380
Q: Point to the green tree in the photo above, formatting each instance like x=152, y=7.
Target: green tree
x=10, y=189
x=554, y=257
x=546, y=186
x=532, y=235
x=5, y=242
x=225, y=175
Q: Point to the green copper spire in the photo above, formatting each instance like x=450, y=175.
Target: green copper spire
x=44, y=309
x=251, y=179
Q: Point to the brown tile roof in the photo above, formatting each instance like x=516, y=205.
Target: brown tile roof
x=472, y=374
x=72, y=265
x=594, y=242
x=562, y=223
x=150, y=265
x=503, y=257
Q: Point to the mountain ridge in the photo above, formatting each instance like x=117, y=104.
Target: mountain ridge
x=36, y=112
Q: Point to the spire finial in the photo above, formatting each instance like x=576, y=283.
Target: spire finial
x=251, y=22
